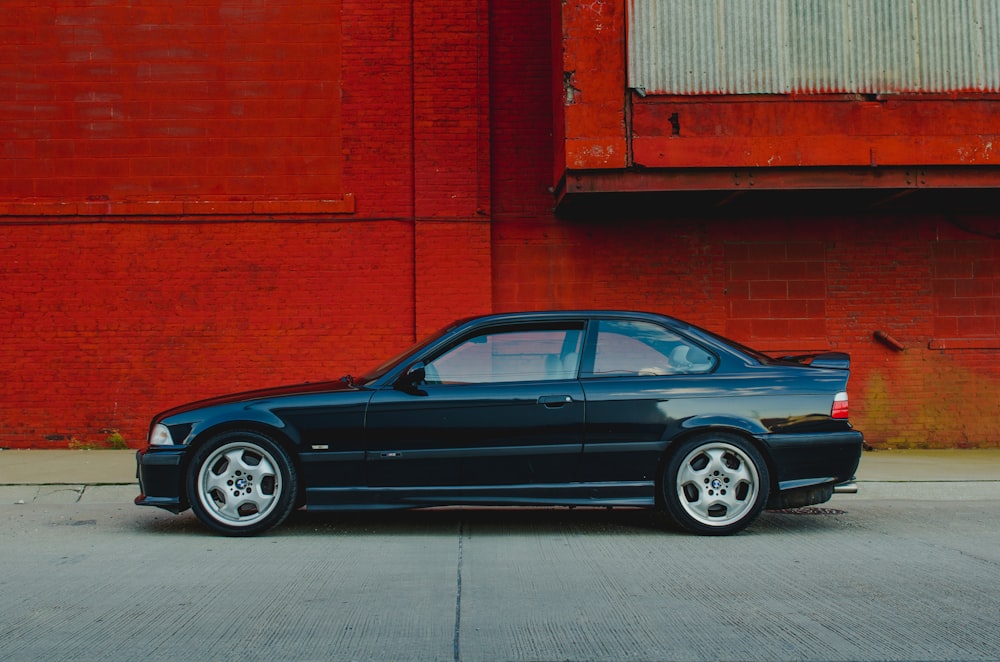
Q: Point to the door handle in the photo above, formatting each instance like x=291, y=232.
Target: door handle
x=554, y=401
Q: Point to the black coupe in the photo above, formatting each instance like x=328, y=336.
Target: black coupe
x=569, y=408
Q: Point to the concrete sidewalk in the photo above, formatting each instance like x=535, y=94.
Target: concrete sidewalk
x=67, y=476
x=75, y=475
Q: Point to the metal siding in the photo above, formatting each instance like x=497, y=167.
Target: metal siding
x=813, y=46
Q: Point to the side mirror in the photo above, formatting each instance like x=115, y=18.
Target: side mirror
x=412, y=377
x=416, y=373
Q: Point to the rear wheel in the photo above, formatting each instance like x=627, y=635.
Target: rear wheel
x=715, y=484
x=241, y=483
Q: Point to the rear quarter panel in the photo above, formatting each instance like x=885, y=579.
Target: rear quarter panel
x=631, y=421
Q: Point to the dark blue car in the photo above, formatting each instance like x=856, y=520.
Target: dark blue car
x=569, y=408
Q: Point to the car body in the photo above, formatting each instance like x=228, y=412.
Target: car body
x=558, y=408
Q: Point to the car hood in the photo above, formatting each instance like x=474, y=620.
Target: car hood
x=306, y=388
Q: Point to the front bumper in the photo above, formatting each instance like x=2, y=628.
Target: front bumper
x=160, y=472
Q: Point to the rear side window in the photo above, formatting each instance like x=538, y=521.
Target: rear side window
x=632, y=348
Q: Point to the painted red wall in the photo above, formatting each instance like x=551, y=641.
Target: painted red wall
x=106, y=323
x=793, y=286
x=165, y=108
x=445, y=156
x=112, y=309
x=786, y=282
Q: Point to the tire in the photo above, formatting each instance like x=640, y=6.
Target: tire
x=241, y=483
x=715, y=484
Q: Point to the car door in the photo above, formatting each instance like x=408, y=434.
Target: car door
x=501, y=406
x=637, y=377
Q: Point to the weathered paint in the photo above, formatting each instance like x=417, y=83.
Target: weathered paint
x=821, y=122
x=593, y=68
x=777, y=131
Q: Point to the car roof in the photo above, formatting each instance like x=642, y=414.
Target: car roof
x=541, y=315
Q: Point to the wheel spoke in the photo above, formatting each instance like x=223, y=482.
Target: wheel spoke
x=693, y=471
x=704, y=506
x=228, y=508
x=742, y=474
x=262, y=466
x=716, y=460
x=214, y=482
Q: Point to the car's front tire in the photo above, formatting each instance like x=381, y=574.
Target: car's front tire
x=715, y=483
x=241, y=483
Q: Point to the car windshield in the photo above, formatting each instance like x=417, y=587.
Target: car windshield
x=381, y=370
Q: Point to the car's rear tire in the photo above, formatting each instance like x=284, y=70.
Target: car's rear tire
x=241, y=483
x=715, y=483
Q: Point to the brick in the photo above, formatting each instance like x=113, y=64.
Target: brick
x=748, y=270
x=953, y=269
x=807, y=289
x=978, y=327
x=749, y=309
x=769, y=289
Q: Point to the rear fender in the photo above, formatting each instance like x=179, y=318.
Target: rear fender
x=740, y=424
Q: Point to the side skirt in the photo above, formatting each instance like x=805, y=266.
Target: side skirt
x=630, y=494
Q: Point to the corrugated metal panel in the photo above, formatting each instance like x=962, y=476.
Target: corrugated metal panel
x=813, y=46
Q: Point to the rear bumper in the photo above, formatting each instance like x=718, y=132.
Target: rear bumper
x=160, y=472
x=802, y=461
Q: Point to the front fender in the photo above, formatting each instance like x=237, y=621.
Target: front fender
x=212, y=422
x=256, y=419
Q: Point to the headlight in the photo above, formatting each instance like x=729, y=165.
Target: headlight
x=160, y=436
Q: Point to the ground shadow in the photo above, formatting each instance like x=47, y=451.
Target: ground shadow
x=495, y=521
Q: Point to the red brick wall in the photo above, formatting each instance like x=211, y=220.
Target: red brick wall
x=445, y=114
x=451, y=161
x=167, y=108
x=110, y=313
x=104, y=324
x=788, y=286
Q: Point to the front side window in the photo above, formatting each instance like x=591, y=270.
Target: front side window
x=509, y=356
x=629, y=348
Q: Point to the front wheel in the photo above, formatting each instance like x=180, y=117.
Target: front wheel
x=241, y=483
x=715, y=484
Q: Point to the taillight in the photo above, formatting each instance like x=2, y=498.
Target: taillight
x=839, y=409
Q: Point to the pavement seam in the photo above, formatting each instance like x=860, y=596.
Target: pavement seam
x=458, y=596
